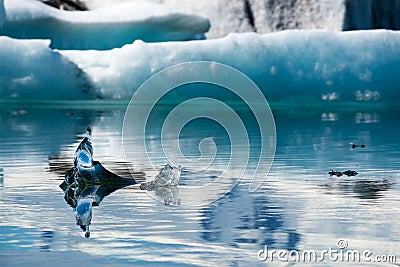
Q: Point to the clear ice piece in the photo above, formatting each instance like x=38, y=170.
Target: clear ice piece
x=84, y=153
x=168, y=176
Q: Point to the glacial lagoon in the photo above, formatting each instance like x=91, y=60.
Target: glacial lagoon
x=299, y=206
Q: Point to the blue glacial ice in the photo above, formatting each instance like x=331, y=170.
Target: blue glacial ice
x=31, y=70
x=83, y=159
x=316, y=65
x=103, y=28
x=319, y=66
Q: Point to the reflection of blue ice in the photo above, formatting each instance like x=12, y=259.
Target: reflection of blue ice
x=82, y=196
x=240, y=212
x=83, y=214
x=47, y=239
x=88, y=182
x=83, y=207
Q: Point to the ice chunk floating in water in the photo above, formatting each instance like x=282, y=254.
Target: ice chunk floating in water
x=104, y=28
x=165, y=185
x=168, y=176
x=83, y=160
x=88, y=182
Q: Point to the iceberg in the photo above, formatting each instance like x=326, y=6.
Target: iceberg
x=263, y=16
x=290, y=65
x=101, y=29
x=227, y=16
x=30, y=70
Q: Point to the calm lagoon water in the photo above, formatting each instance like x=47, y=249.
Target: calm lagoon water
x=299, y=207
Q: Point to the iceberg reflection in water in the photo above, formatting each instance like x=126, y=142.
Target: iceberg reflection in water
x=83, y=191
x=88, y=182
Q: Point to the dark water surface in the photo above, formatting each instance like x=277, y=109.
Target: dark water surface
x=299, y=207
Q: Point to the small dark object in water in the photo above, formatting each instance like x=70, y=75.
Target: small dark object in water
x=354, y=146
x=350, y=173
x=332, y=173
x=338, y=174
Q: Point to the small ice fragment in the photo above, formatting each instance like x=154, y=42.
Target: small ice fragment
x=168, y=176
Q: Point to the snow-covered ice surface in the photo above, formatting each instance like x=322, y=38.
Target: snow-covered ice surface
x=31, y=70
x=227, y=16
x=315, y=65
x=103, y=28
x=263, y=16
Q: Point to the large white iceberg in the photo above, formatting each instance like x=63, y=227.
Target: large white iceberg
x=316, y=65
x=288, y=66
x=103, y=28
x=263, y=16
x=225, y=15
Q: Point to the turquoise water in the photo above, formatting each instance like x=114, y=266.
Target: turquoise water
x=299, y=207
